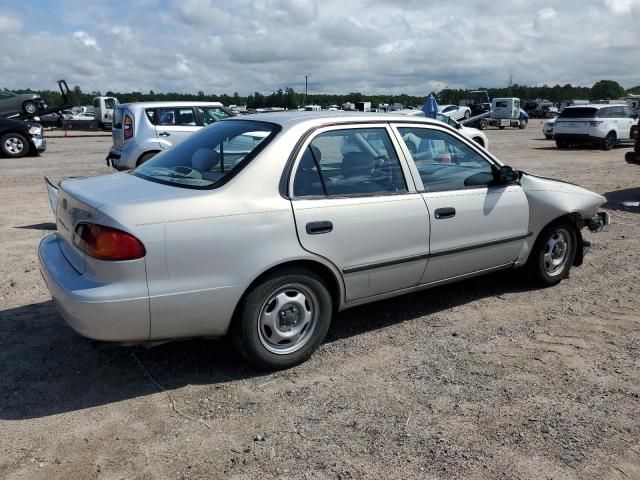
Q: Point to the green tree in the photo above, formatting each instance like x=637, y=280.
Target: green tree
x=606, y=90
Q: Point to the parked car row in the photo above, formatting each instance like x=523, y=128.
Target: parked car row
x=262, y=227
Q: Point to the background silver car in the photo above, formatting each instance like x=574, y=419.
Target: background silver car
x=18, y=103
x=141, y=130
x=262, y=227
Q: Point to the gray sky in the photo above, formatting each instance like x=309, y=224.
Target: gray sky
x=372, y=46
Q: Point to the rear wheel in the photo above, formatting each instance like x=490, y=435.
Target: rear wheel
x=283, y=319
x=467, y=114
x=609, y=141
x=482, y=124
x=145, y=157
x=562, y=144
x=14, y=145
x=523, y=124
x=553, y=254
x=501, y=127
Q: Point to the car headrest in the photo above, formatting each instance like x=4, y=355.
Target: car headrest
x=306, y=162
x=356, y=164
x=204, y=159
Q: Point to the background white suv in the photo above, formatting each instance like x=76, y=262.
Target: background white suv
x=601, y=125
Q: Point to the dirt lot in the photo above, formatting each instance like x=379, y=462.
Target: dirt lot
x=483, y=379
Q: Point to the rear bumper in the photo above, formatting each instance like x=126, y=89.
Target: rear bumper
x=114, y=159
x=576, y=138
x=94, y=310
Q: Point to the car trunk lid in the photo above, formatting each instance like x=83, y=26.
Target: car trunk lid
x=71, y=211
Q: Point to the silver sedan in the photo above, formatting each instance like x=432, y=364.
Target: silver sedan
x=263, y=227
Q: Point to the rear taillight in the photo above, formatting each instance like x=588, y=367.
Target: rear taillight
x=128, y=127
x=635, y=130
x=595, y=123
x=106, y=243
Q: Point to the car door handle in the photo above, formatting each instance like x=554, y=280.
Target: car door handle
x=164, y=134
x=447, y=212
x=316, y=228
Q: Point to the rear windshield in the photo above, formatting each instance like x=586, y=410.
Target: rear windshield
x=578, y=112
x=209, y=157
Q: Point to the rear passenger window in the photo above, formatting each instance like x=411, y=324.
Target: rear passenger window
x=349, y=162
x=177, y=116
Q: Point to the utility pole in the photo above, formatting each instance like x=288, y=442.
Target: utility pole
x=306, y=77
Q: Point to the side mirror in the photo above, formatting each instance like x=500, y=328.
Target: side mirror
x=508, y=175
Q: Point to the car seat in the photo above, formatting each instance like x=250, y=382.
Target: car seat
x=204, y=159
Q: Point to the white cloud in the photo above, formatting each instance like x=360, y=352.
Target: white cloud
x=9, y=24
x=86, y=39
x=375, y=46
x=547, y=13
x=621, y=7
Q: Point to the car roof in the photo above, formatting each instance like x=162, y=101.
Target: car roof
x=289, y=119
x=171, y=104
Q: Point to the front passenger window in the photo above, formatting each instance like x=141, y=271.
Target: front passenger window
x=444, y=162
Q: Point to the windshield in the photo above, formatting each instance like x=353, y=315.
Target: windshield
x=206, y=158
x=110, y=103
x=578, y=112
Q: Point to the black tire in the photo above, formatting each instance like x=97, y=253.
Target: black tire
x=256, y=340
x=482, y=124
x=467, y=114
x=14, y=145
x=609, y=141
x=562, y=144
x=501, y=127
x=30, y=107
x=548, y=137
x=523, y=124
x=557, y=241
x=144, y=157
x=479, y=141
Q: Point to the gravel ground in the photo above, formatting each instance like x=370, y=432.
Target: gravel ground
x=478, y=380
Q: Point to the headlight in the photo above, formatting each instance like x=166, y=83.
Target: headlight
x=35, y=130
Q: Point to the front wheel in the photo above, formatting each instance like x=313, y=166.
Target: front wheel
x=523, y=124
x=14, y=145
x=30, y=107
x=483, y=124
x=553, y=254
x=467, y=114
x=562, y=144
x=283, y=319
